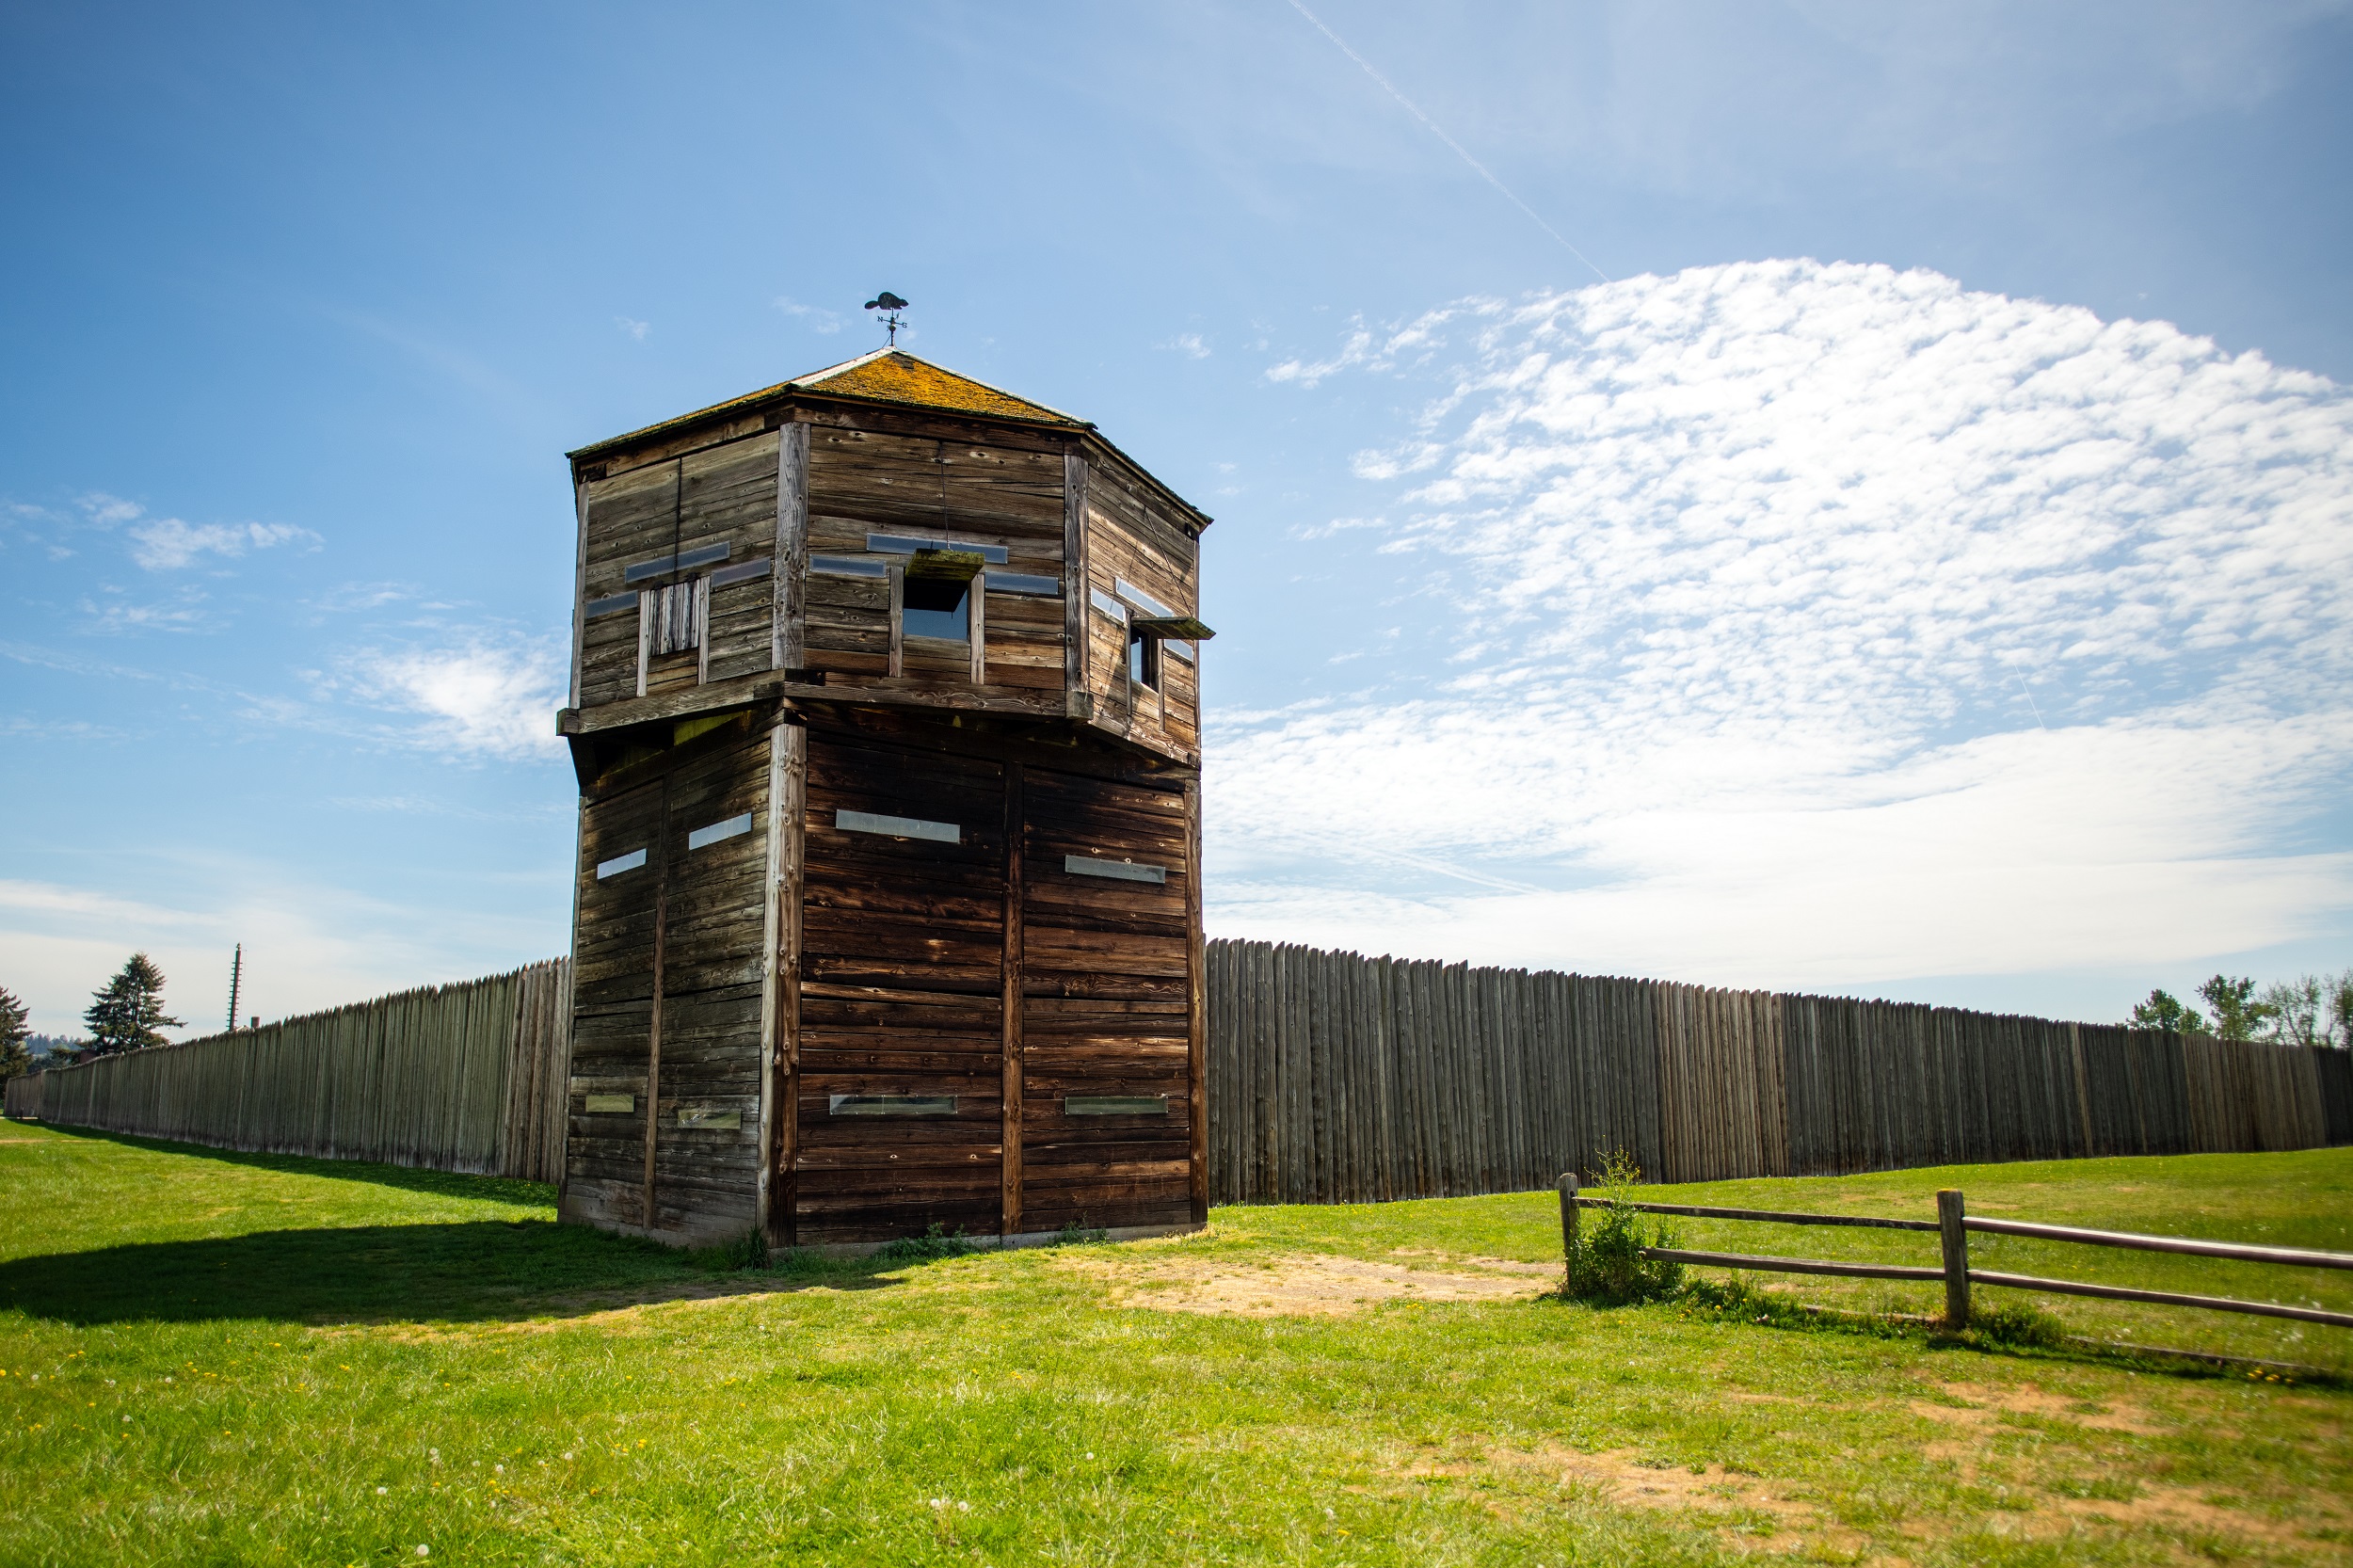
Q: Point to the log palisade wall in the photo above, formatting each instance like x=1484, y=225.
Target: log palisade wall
x=1339, y=1079
x=1333, y=1078
x=452, y=1078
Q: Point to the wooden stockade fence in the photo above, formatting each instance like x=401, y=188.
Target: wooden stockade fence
x=466, y=1077
x=1339, y=1079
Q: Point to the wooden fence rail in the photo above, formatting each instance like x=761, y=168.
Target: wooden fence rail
x=454, y=1078
x=1953, y=1223
x=1339, y=1079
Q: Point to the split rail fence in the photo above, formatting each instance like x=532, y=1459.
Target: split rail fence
x=468, y=1076
x=1339, y=1079
x=1952, y=1225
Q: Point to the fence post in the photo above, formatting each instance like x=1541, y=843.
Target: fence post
x=1568, y=1223
x=1954, y=1236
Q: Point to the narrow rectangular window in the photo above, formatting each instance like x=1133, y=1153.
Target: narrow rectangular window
x=891, y=1105
x=1118, y=871
x=1105, y=605
x=1115, y=1105
x=1138, y=597
x=1023, y=582
x=743, y=571
x=612, y=604
x=718, y=1121
x=610, y=1105
x=718, y=830
x=686, y=560
x=904, y=544
x=847, y=566
x=620, y=863
x=898, y=827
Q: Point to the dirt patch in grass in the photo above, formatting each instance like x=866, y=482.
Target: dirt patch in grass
x=1760, y=1516
x=1984, y=1404
x=2100, y=1494
x=1758, y=1513
x=1301, y=1285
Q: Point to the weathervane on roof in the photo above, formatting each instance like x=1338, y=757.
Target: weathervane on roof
x=889, y=305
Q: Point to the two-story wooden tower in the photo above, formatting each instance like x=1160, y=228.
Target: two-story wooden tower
x=886, y=717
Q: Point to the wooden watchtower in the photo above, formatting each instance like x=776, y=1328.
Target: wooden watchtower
x=886, y=718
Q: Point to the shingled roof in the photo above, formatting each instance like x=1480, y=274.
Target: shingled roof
x=894, y=375
x=887, y=376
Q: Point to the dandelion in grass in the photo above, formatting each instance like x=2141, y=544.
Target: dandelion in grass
x=383, y=1491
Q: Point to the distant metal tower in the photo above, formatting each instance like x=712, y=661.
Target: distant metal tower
x=236, y=972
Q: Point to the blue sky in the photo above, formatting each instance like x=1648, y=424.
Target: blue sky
x=1907, y=558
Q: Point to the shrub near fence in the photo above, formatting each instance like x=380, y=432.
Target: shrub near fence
x=468, y=1076
x=1339, y=1079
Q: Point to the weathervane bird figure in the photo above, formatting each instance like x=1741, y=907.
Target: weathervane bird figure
x=889, y=305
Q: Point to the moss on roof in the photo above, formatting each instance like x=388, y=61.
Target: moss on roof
x=892, y=376
x=886, y=376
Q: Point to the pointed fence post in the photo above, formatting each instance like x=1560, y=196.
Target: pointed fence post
x=1955, y=1235
x=1568, y=1225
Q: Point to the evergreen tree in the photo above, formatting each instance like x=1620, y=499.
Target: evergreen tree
x=15, y=1057
x=127, y=1014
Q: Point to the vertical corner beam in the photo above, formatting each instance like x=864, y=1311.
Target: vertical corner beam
x=1196, y=1006
x=976, y=628
x=783, y=1076
x=1076, y=630
x=772, y=940
x=898, y=620
x=648, y=1218
x=580, y=587
x=1009, y=1212
x=1953, y=1231
x=786, y=615
x=568, y=999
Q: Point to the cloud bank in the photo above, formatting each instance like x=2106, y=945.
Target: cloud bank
x=167, y=543
x=480, y=699
x=1823, y=625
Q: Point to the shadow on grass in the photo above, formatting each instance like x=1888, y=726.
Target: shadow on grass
x=472, y=1271
x=408, y=1178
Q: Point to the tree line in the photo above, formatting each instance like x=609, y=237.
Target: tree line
x=2310, y=1010
x=125, y=1014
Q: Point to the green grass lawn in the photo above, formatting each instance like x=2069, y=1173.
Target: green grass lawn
x=218, y=1358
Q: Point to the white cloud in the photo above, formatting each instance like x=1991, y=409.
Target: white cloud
x=815, y=317
x=1828, y=624
x=106, y=511
x=1189, y=345
x=635, y=329
x=484, y=700
x=167, y=543
x=184, y=611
